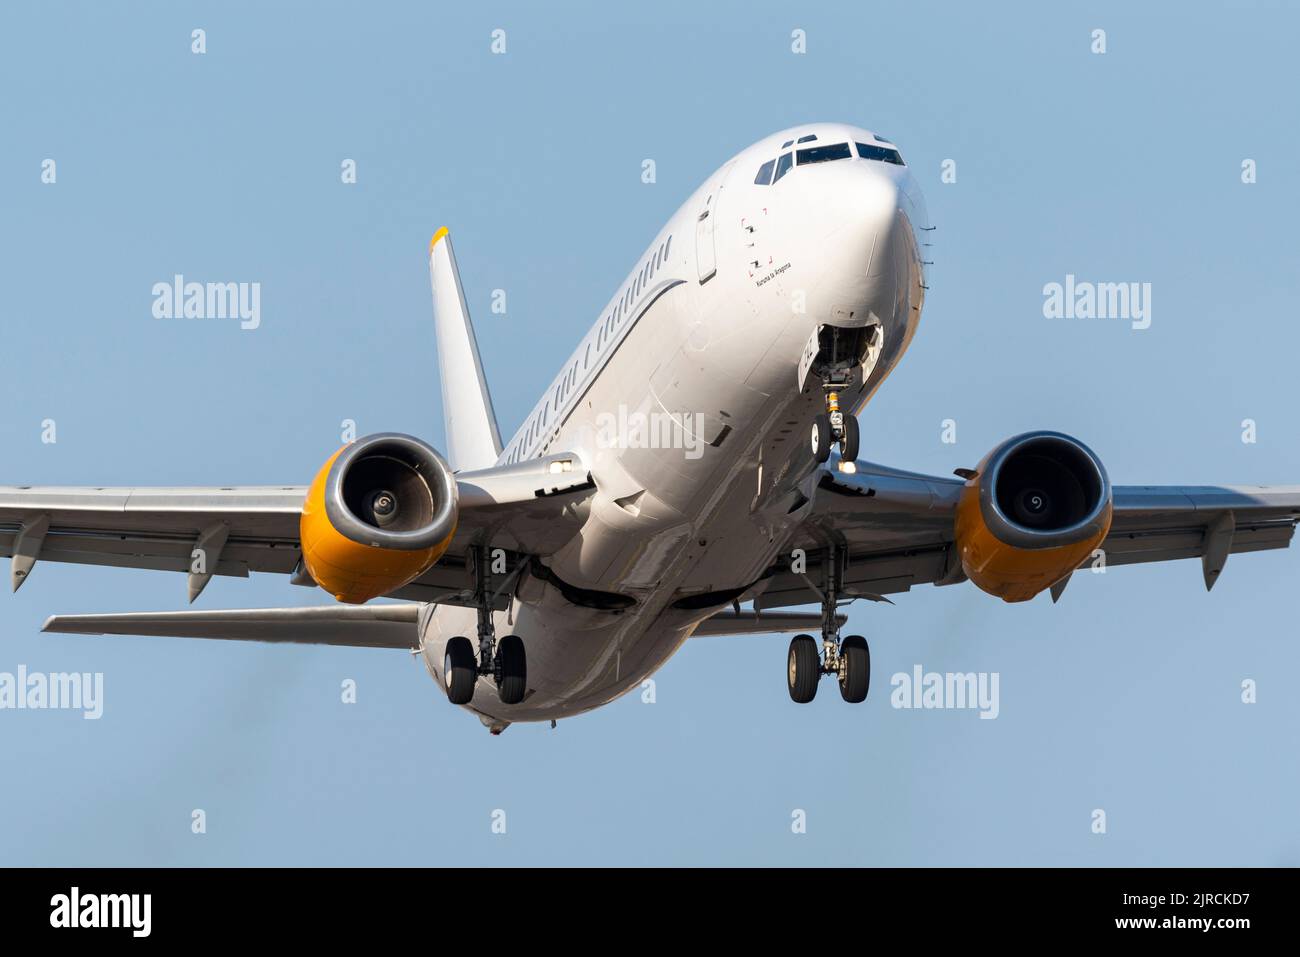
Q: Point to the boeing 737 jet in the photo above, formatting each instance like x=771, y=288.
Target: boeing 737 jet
x=692, y=471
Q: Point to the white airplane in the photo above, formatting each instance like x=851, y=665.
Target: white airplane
x=692, y=454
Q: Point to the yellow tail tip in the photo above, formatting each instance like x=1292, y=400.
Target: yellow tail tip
x=437, y=236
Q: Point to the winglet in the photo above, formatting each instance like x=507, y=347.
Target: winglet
x=473, y=441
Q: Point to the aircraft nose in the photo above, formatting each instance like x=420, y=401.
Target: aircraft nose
x=872, y=205
x=862, y=217
x=857, y=208
x=875, y=199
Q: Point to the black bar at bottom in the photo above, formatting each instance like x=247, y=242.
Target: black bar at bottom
x=593, y=908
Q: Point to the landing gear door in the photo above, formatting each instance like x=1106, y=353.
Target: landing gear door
x=810, y=350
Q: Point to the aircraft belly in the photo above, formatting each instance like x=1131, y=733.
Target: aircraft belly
x=577, y=660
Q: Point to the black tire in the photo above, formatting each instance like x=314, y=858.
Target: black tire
x=803, y=669
x=855, y=674
x=849, y=444
x=821, y=439
x=459, y=670
x=512, y=670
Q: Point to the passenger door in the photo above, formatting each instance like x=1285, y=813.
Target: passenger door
x=706, y=254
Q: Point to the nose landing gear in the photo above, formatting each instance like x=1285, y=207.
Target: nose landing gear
x=848, y=659
x=505, y=661
x=838, y=357
x=834, y=426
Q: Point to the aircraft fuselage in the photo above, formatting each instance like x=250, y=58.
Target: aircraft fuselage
x=686, y=405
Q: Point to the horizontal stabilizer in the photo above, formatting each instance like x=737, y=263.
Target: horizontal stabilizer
x=357, y=626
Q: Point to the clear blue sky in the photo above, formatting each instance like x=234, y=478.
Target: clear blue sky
x=226, y=166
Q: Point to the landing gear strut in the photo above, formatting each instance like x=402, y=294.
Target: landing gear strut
x=839, y=357
x=504, y=661
x=848, y=659
x=834, y=426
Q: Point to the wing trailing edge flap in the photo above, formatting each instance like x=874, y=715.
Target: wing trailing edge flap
x=1160, y=523
x=355, y=626
x=726, y=623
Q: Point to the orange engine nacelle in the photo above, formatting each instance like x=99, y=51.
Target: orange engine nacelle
x=1031, y=513
x=379, y=513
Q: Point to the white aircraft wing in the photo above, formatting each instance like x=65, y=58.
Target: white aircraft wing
x=531, y=508
x=896, y=530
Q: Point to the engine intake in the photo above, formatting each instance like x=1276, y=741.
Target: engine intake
x=380, y=513
x=1035, y=508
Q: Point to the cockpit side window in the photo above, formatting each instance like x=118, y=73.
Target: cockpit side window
x=808, y=139
x=882, y=153
x=764, y=176
x=824, y=154
x=783, y=165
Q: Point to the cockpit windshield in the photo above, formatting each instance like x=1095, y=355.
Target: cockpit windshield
x=772, y=171
x=882, y=153
x=824, y=154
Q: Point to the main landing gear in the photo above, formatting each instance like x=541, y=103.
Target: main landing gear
x=504, y=660
x=834, y=426
x=849, y=659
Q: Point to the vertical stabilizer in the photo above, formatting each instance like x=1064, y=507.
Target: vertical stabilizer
x=473, y=441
